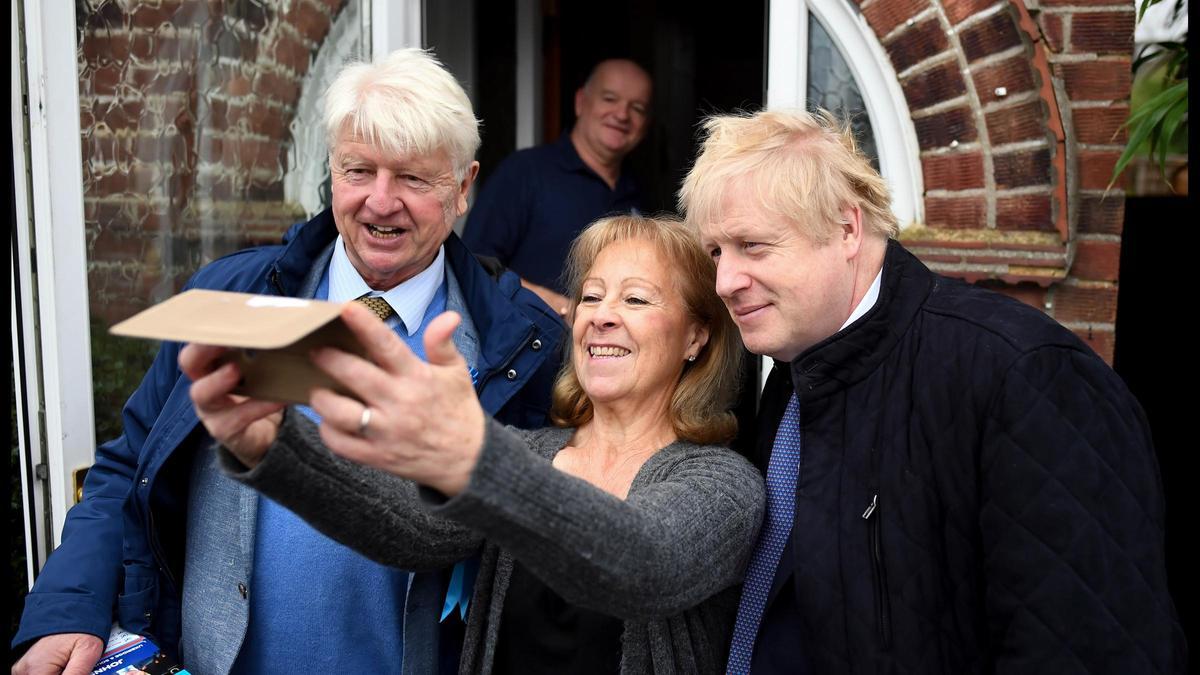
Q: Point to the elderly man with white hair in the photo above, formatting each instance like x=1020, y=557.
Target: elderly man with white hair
x=168, y=547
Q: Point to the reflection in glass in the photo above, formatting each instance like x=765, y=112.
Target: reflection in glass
x=201, y=135
x=831, y=86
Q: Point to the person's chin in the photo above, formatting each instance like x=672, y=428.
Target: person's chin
x=616, y=142
x=764, y=342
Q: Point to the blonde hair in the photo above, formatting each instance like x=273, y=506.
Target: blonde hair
x=408, y=103
x=802, y=167
x=700, y=403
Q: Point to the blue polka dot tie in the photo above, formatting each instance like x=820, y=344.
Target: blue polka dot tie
x=782, y=472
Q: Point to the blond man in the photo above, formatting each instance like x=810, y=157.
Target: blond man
x=956, y=483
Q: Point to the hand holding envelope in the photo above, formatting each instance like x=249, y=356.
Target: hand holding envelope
x=246, y=426
x=380, y=404
x=260, y=353
x=425, y=421
x=270, y=338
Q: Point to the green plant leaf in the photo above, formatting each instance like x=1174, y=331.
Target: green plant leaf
x=1157, y=106
x=1170, y=125
x=1144, y=56
x=1178, y=63
x=1174, y=52
x=1143, y=129
x=1173, y=119
x=1147, y=123
x=1145, y=4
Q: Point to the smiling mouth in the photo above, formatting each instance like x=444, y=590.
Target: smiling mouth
x=383, y=232
x=607, y=352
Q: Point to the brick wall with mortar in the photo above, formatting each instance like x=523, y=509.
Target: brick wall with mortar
x=1017, y=107
x=185, y=107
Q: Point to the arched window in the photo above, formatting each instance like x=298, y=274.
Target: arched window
x=822, y=53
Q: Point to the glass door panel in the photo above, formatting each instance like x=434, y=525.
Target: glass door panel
x=201, y=135
x=831, y=86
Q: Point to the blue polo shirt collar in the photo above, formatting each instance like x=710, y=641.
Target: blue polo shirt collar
x=570, y=160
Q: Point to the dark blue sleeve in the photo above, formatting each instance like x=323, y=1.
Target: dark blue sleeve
x=77, y=589
x=499, y=220
x=1072, y=524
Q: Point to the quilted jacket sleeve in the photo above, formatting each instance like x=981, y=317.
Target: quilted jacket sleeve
x=1071, y=516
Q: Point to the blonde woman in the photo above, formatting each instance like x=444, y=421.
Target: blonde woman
x=613, y=542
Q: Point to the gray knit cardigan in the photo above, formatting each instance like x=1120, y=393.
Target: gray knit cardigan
x=667, y=560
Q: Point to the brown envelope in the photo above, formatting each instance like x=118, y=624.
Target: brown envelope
x=270, y=337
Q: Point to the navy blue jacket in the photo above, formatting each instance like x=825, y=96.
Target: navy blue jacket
x=121, y=555
x=978, y=493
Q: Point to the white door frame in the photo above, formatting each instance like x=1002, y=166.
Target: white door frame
x=396, y=24
x=54, y=393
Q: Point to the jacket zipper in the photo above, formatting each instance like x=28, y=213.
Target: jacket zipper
x=159, y=557
x=883, y=612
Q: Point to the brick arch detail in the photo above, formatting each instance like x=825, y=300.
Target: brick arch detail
x=978, y=85
x=1017, y=106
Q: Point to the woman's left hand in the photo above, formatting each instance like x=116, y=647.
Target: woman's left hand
x=420, y=421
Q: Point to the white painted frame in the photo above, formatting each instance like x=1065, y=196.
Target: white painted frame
x=50, y=236
x=395, y=24
x=25, y=372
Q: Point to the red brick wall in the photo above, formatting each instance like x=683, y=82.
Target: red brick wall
x=185, y=108
x=1017, y=108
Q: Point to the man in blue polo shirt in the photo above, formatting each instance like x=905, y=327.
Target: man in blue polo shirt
x=539, y=199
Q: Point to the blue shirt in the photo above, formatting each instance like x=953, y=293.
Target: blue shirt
x=410, y=299
x=534, y=205
x=316, y=605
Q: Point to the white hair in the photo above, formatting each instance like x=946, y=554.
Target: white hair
x=408, y=103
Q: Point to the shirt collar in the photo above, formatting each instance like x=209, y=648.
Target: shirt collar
x=569, y=156
x=868, y=300
x=571, y=161
x=410, y=299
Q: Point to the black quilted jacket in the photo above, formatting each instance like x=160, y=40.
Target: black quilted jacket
x=978, y=494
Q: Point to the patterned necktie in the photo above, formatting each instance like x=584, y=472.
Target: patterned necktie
x=378, y=306
x=782, y=472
